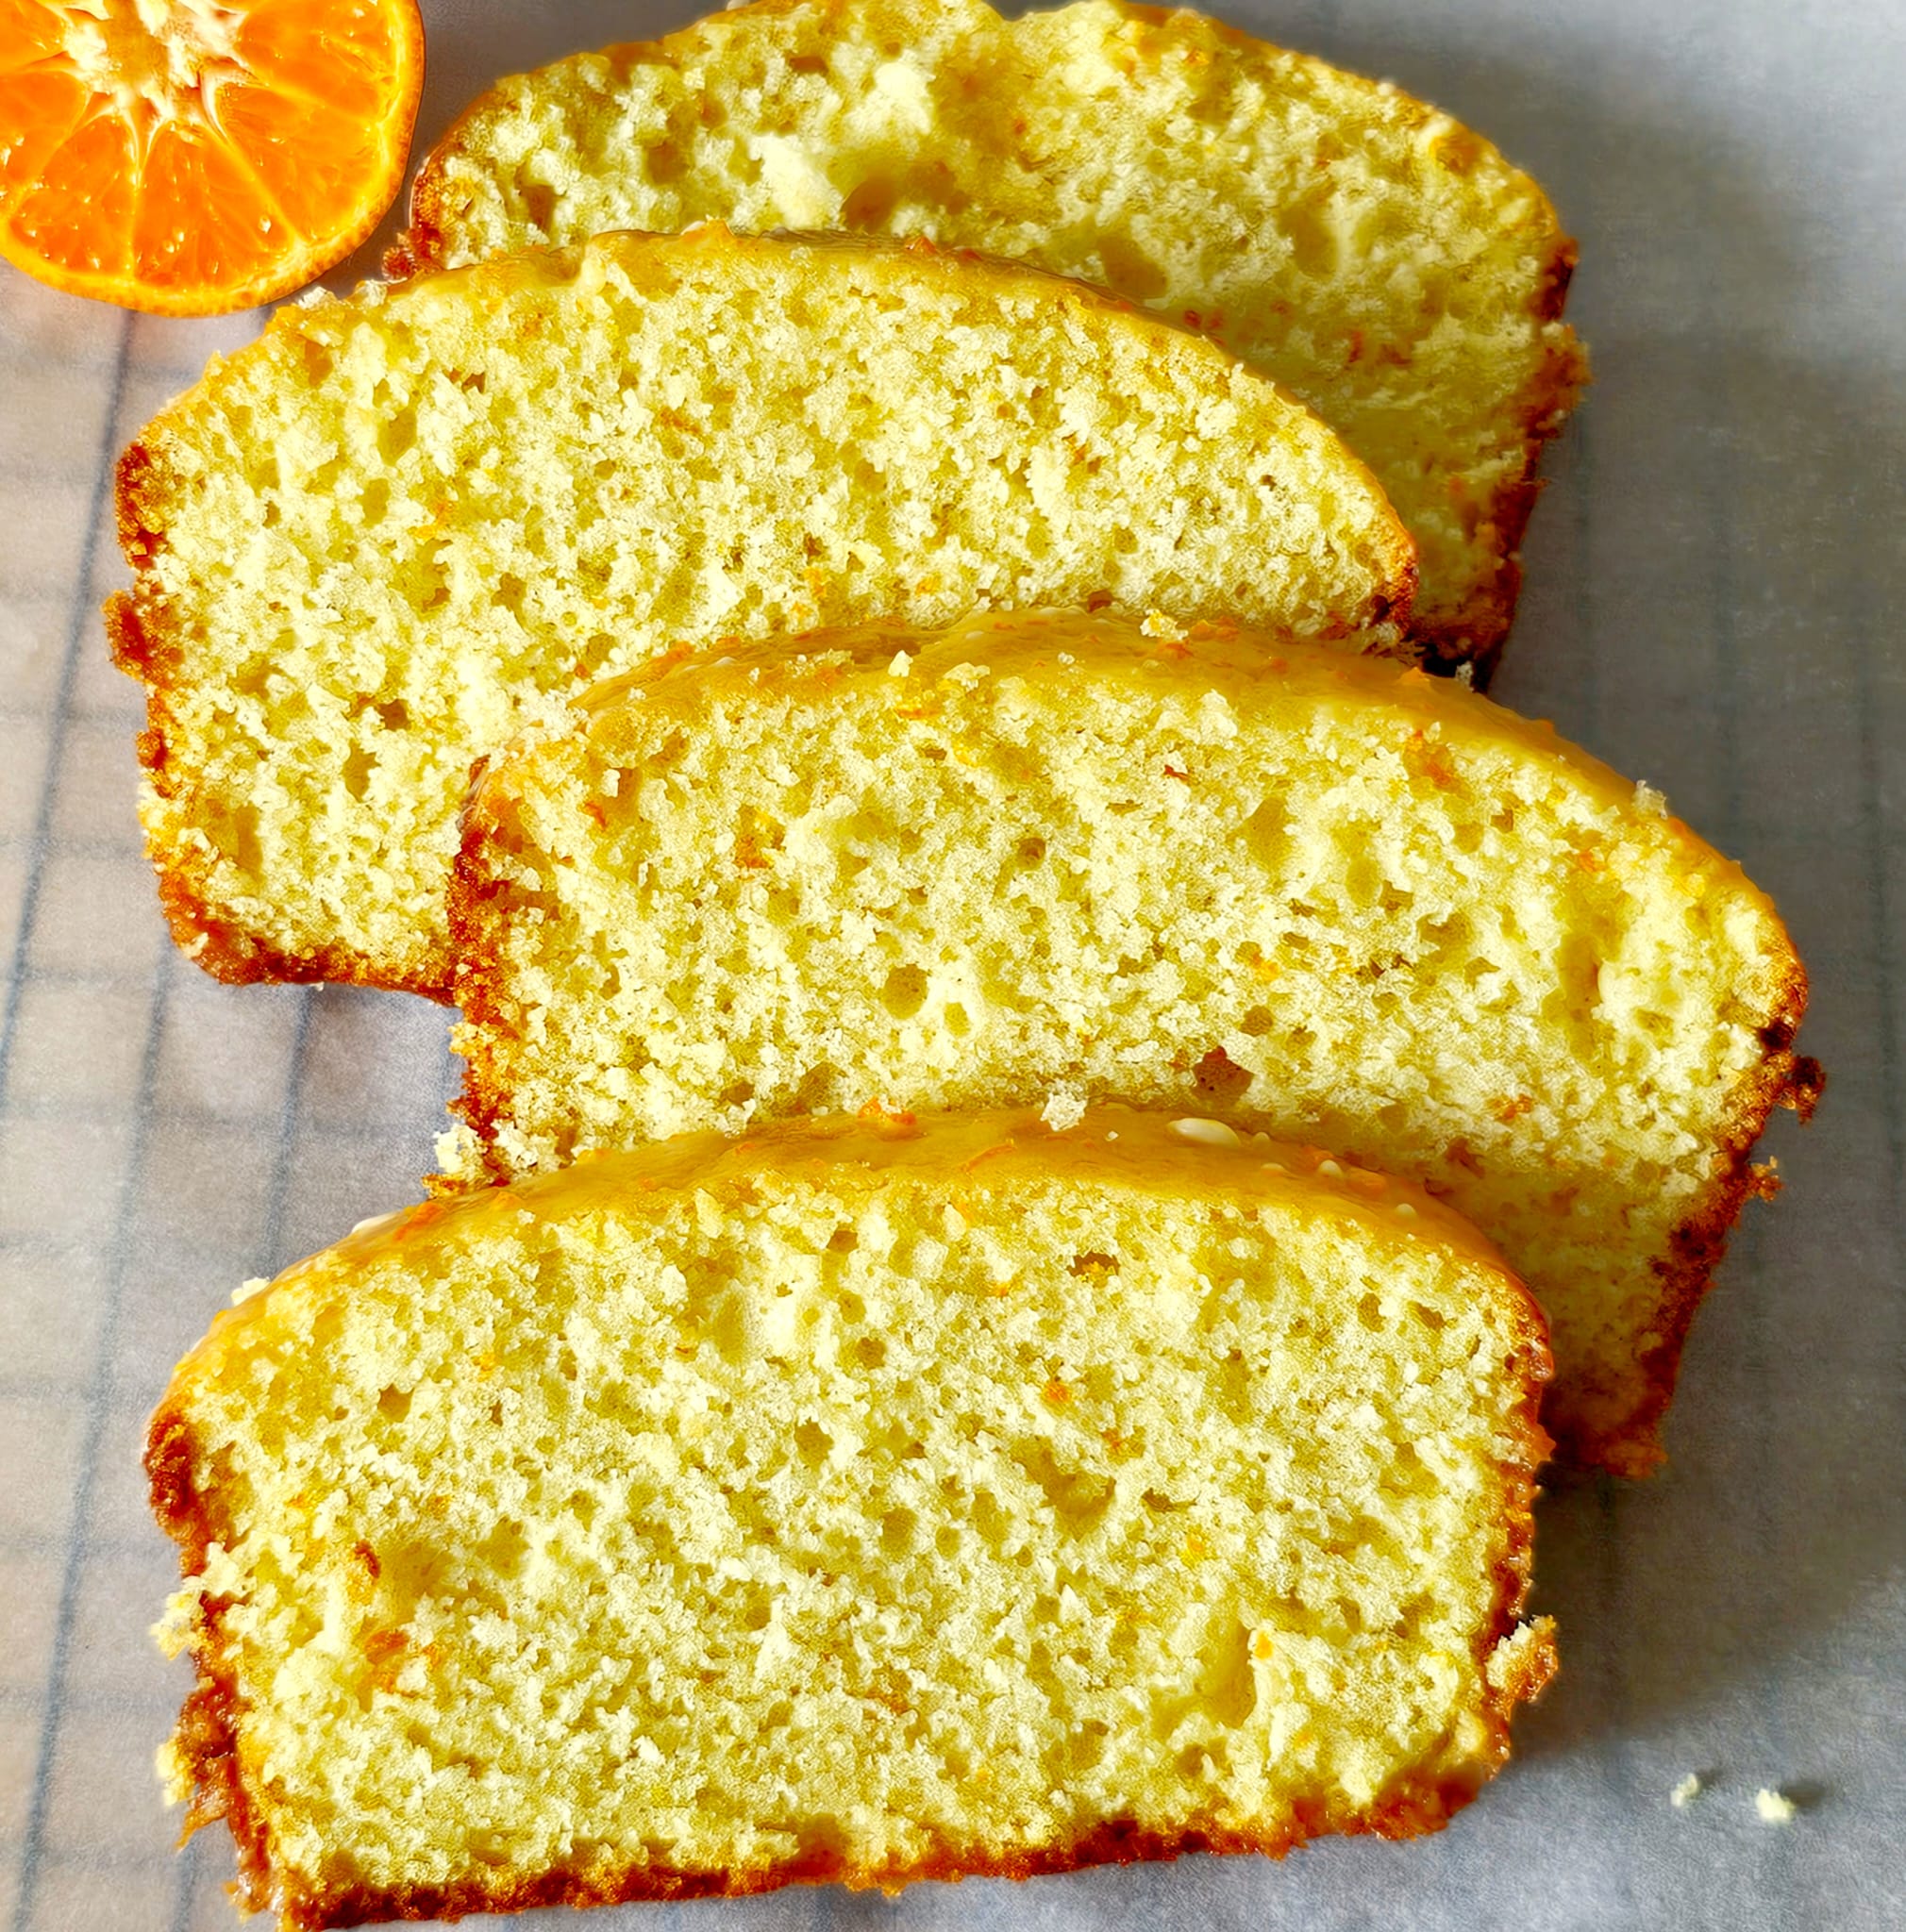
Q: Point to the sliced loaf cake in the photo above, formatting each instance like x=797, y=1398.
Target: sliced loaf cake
x=1383, y=261
x=866, y=1500
x=1331, y=897
x=398, y=527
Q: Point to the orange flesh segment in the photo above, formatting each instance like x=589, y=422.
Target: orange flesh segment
x=188, y=167
x=28, y=33
x=79, y=214
x=306, y=157
x=37, y=113
x=287, y=45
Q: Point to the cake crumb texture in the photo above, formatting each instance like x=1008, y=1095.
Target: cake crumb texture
x=1226, y=874
x=400, y=526
x=1774, y=1807
x=1383, y=260
x=868, y=1500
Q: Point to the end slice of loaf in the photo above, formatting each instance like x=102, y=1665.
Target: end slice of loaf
x=869, y=1501
x=1347, y=903
x=398, y=527
x=1383, y=260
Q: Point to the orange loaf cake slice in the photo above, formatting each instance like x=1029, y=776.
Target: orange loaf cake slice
x=398, y=527
x=1042, y=854
x=869, y=1501
x=1383, y=261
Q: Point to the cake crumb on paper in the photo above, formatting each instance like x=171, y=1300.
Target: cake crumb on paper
x=1686, y=1791
x=1774, y=1807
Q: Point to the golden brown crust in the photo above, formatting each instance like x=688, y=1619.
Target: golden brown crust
x=142, y=636
x=1633, y=1447
x=419, y=249
x=475, y=915
x=207, y=1743
x=1476, y=636
x=1410, y=1810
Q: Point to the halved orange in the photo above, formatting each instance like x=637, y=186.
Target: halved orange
x=198, y=156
